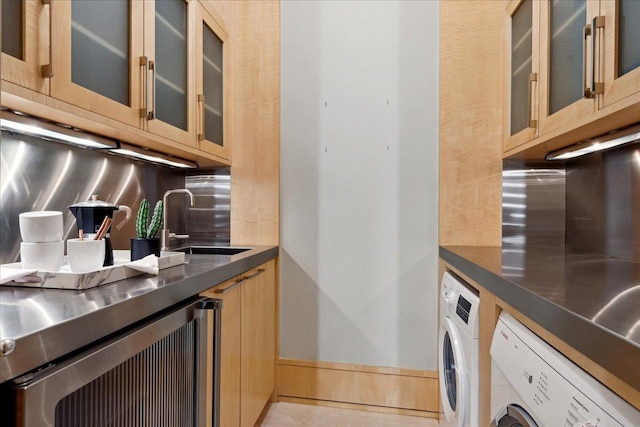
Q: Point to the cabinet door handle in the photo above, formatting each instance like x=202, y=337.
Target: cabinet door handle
x=597, y=88
x=228, y=288
x=239, y=282
x=533, y=77
x=47, y=69
x=152, y=114
x=201, y=108
x=144, y=63
x=257, y=273
x=586, y=32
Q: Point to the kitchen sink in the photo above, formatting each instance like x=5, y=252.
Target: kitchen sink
x=213, y=250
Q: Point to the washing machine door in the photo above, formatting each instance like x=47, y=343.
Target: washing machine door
x=453, y=382
x=513, y=416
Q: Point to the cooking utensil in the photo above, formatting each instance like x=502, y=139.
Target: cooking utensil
x=90, y=216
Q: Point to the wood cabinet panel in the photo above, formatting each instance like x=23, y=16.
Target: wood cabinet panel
x=219, y=10
x=171, y=105
x=258, y=343
x=521, y=72
x=230, y=354
x=248, y=347
x=64, y=84
x=255, y=123
x=563, y=113
x=471, y=114
x=212, y=86
x=32, y=49
x=618, y=82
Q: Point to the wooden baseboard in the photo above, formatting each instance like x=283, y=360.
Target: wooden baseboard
x=370, y=388
x=357, y=407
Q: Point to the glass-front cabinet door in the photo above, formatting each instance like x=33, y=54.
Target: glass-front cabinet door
x=25, y=43
x=96, y=46
x=621, y=49
x=569, y=69
x=170, y=89
x=522, y=68
x=212, y=90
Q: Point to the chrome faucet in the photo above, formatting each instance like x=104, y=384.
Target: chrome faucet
x=165, y=235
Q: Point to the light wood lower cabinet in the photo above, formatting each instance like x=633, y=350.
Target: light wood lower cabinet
x=257, y=350
x=248, y=345
x=229, y=353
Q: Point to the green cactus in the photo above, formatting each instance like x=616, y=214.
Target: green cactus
x=144, y=228
x=156, y=220
x=142, y=219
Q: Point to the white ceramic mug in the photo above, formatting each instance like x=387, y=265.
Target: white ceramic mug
x=85, y=256
x=41, y=226
x=46, y=256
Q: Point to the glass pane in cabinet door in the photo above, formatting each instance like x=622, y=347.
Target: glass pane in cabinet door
x=171, y=62
x=628, y=36
x=568, y=18
x=12, y=30
x=521, y=57
x=100, y=47
x=212, y=76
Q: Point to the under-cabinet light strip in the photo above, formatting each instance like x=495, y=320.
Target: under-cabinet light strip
x=130, y=151
x=606, y=142
x=13, y=122
x=23, y=124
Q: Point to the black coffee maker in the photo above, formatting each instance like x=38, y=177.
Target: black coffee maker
x=89, y=216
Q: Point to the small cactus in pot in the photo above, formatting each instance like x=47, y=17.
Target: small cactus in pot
x=144, y=228
x=146, y=243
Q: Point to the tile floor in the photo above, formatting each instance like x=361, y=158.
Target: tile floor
x=282, y=414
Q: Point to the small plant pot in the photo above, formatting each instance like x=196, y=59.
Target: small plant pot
x=141, y=248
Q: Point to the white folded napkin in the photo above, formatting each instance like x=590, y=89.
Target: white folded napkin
x=9, y=274
x=148, y=264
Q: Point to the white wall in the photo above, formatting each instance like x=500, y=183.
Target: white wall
x=359, y=198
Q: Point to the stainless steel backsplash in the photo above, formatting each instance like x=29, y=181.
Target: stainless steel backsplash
x=209, y=221
x=533, y=204
x=589, y=204
x=603, y=203
x=44, y=175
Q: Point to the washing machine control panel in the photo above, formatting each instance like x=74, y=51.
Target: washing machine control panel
x=460, y=303
x=450, y=298
x=561, y=402
x=534, y=372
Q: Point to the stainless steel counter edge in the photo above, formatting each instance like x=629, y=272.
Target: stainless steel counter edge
x=613, y=352
x=149, y=295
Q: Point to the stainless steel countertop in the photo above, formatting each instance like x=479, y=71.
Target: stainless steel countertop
x=591, y=302
x=47, y=324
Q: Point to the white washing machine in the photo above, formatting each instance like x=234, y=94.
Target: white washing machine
x=533, y=385
x=458, y=348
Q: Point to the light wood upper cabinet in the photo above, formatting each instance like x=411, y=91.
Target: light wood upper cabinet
x=25, y=43
x=169, y=47
x=96, y=48
x=212, y=83
x=588, y=71
x=565, y=72
x=522, y=46
x=621, y=49
x=128, y=60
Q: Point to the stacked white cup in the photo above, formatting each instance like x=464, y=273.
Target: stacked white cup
x=42, y=247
